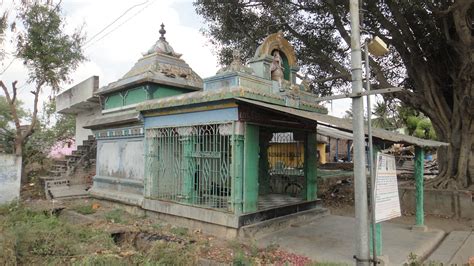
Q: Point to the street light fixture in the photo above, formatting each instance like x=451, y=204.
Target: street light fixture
x=376, y=47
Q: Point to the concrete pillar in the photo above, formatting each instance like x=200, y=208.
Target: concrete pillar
x=188, y=169
x=237, y=169
x=251, y=163
x=310, y=166
x=419, y=186
x=151, y=166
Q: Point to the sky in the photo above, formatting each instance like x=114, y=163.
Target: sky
x=111, y=53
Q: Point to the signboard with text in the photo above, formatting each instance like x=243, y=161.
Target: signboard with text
x=387, y=202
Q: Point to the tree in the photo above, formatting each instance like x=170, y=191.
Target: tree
x=51, y=129
x=48, y=53
x=392, y=115
x=7, y=135
x=430, y=55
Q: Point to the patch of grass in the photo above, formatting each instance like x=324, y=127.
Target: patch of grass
x=101, y=259
x=85, y=209
x=179, y=231
x=240, y=259
x=157, y=226
x=254, y=250
x=115, y=216
x=328, y=264
x=240, y=256
x=413, y=259
x=170, y=253
x=28, y=237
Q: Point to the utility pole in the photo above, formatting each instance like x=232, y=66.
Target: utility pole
x=360, y=178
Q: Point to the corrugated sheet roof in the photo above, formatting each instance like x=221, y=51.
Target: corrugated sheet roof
x=346, y=125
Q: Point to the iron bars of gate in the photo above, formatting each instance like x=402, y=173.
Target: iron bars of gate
x=190, y=165
x=285, y=155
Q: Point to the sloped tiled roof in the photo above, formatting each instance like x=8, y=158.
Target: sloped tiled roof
x=159, y=65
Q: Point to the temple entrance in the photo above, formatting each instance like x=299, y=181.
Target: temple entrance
x=282, y=170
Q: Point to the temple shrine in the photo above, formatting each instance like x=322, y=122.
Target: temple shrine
x=219, y=153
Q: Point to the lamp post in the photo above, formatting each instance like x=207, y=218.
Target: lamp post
x=360, y=178
x=376, y=47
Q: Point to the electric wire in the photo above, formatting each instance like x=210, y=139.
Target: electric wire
x=113, y=22
x=118, y=26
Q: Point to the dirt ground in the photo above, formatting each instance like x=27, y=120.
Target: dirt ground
x=138, y=239
x=99, y=234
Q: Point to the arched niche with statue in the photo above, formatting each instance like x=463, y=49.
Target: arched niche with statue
x=275, y=59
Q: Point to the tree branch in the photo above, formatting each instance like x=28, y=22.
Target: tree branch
x=12, y=105
x=34, y=117
x=405, y=30
x=342, y=70
x=14, y=88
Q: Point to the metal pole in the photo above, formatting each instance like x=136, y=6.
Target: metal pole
x=371, y=154
x=419, y=169
x=360, y=177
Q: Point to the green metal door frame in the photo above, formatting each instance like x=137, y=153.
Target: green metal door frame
x=251, y=164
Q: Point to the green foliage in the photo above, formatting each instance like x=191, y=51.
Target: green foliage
x=101, y=260
x=52, y=129
x=240, y=259
x=6, y=114
x=48, y=52
x=115, y=216
x=85, y=209
x=30, y=235
x=179, y=231
x=413, y=259
x=412, y=124
x=385, y=116
x=7, y=132
x=169, y=253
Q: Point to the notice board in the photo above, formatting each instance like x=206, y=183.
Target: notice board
x=387, y=202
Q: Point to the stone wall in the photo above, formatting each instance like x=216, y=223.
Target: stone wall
x=81, y=119
x=120, y=166
x=451, y=203
x=10, y=177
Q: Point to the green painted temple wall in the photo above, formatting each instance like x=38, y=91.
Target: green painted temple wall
x=140, y=94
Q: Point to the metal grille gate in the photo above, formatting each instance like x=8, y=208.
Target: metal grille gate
x=286, y=161
x=190, y=164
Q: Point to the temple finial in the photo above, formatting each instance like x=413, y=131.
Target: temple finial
x=162, y=32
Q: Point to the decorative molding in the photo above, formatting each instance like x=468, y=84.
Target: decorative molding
x=119, y=132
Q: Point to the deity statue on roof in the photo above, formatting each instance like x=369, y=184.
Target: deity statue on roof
x=277, y=68
x=236, y=65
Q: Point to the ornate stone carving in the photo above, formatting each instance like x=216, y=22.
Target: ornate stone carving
x=162, y=46
x=277, y=68
x=236, y=65
x=306, y=84
x=273, y=42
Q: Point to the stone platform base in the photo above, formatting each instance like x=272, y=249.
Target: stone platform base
x=222, y=224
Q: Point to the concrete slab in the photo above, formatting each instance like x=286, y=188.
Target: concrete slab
x=465, y=253
x=332, y=239
x=449, y=247
x=69, y=191
x=456, y=249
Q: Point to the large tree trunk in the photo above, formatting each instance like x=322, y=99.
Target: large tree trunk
x=456, y=160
